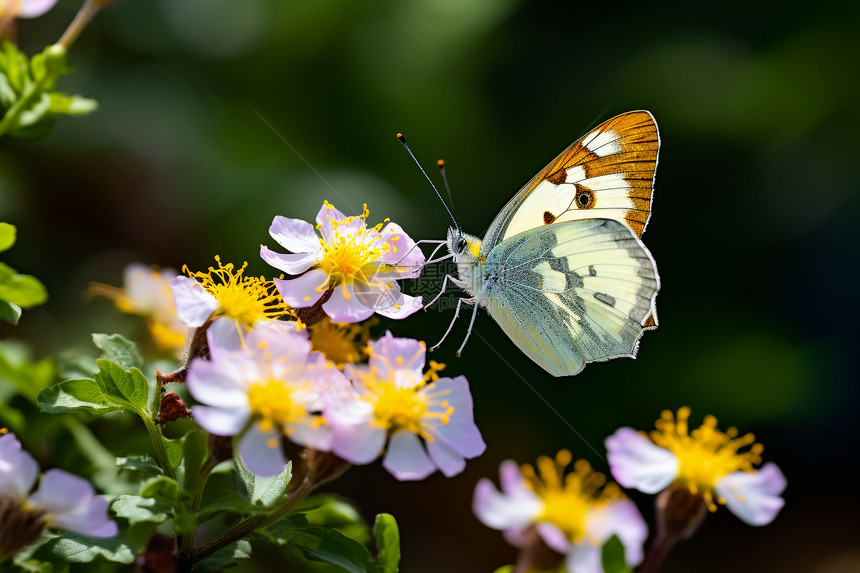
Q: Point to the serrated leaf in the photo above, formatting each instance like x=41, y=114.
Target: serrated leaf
x=10, y=312
x=7, y=236
x=75, y=395
x=118, y=349
x=76, y=548
x=125, y=389
x=261, y=490
x=224, y=558
x=613, y=557
x=137, y=509
x=143, y=464
x=387, y=536
x=24, y=290
x=163, y=489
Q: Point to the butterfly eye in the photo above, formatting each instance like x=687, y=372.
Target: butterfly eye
x=461, y=245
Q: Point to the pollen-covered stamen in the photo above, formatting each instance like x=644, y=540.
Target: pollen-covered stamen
x=567, y=499
x=705, y=455
x=274, y=403
x=247, y=300
x=342, y=343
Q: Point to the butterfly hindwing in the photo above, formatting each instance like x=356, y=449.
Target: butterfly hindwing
x=608, y=173
x=572, y=293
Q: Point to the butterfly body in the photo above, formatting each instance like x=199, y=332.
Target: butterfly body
x=562, y=268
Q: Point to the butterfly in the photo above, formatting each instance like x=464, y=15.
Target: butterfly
x=562, y=268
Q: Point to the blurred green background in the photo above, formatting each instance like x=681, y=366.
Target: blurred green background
x=753, y=229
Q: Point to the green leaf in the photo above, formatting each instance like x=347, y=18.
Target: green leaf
x=126, y=389
x=224, y=558
x=24, y=290
x=7, y=236
x=507, y=569
x=143, y=464
x=77, y=548
x=614, y=560
x=260, y=490
x=326, y=510
x=331, y=546
x=195, y=448
x=119, y=349
x=137, y=509
x=387, y=536
x=10, y=312
x=174, y=452
x=75, y=395
x=164, y=489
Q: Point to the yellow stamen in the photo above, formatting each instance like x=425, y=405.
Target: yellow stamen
x=273, y=402
x=342, y=343
x=567, y=499
x=247, y=300
x=167, y=336
x=705, y=455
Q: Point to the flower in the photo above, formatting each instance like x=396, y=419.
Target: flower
x=425, y=420
x=271, y=387
x=573, y=514
x=358, y=265
x=706, y=461
x=235, y=302
x=26, y=8
x=146, y=292
x=62, y=500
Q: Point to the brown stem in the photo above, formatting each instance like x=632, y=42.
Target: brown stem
x=679, y=513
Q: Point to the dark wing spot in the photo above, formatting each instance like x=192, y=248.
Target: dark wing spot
x=649, y=321
x=584, y=197
x=605, y=298
x=591, y=271
x=558, y=177
x=548, y=217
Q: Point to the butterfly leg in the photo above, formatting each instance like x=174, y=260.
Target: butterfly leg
x=441, y=292
x=471, y=323
x=415, y=246
x=460, y=301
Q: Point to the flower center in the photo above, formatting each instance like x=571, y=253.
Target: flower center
x=351, y=249
x=567, y=499
x=274, y=403
x=705, y=455
x=340, y=342
x=247, y=300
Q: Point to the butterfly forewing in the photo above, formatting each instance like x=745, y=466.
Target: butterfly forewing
x=608, y=173
x=573, y=292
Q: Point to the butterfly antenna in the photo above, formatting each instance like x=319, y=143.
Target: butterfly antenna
x=441, y=165
x=402, y=140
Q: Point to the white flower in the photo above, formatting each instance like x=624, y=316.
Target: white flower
x=571, y=513
x=706, y=461
x=27, y=8
x=271, y=387
x=426, y=422
x=359, y=265
x=62, y=500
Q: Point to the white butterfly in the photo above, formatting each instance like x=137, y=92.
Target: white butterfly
x=561, y=268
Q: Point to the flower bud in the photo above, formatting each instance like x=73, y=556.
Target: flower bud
x=679, y=512
x=172, y=408
x=19, y=527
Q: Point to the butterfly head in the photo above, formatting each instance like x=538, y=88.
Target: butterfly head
x=465, y=247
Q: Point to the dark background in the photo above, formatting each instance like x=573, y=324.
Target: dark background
x=753, y=227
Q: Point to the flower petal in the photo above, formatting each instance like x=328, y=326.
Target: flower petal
x=18, y=469
x=622, y=518
x=510, y=511
x=226, y=333
x=193, y=303
x=209, y=382
x=394, y=352
x=72, y=504
x=34, y=8
x=295, y=235
x=400, y=307
x=754, y=496
x=402, y=250
x=357, y=444
x=460, y=433
x=639, y=463
x=327, y=218
x=583, y=557
x=345, y=306
x=303, y=291
x=223, y=421
x=261, y=451
x=406, y=458
x=290, y=264
x=310, y=434
x=446, y=458
x=553, y=537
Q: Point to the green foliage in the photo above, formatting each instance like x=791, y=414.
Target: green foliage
x=119, y=349
x=613, y=556
x=387, y=536
x=28, y=95
x=224, y=558
x=259, y=490
x=16, y=291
